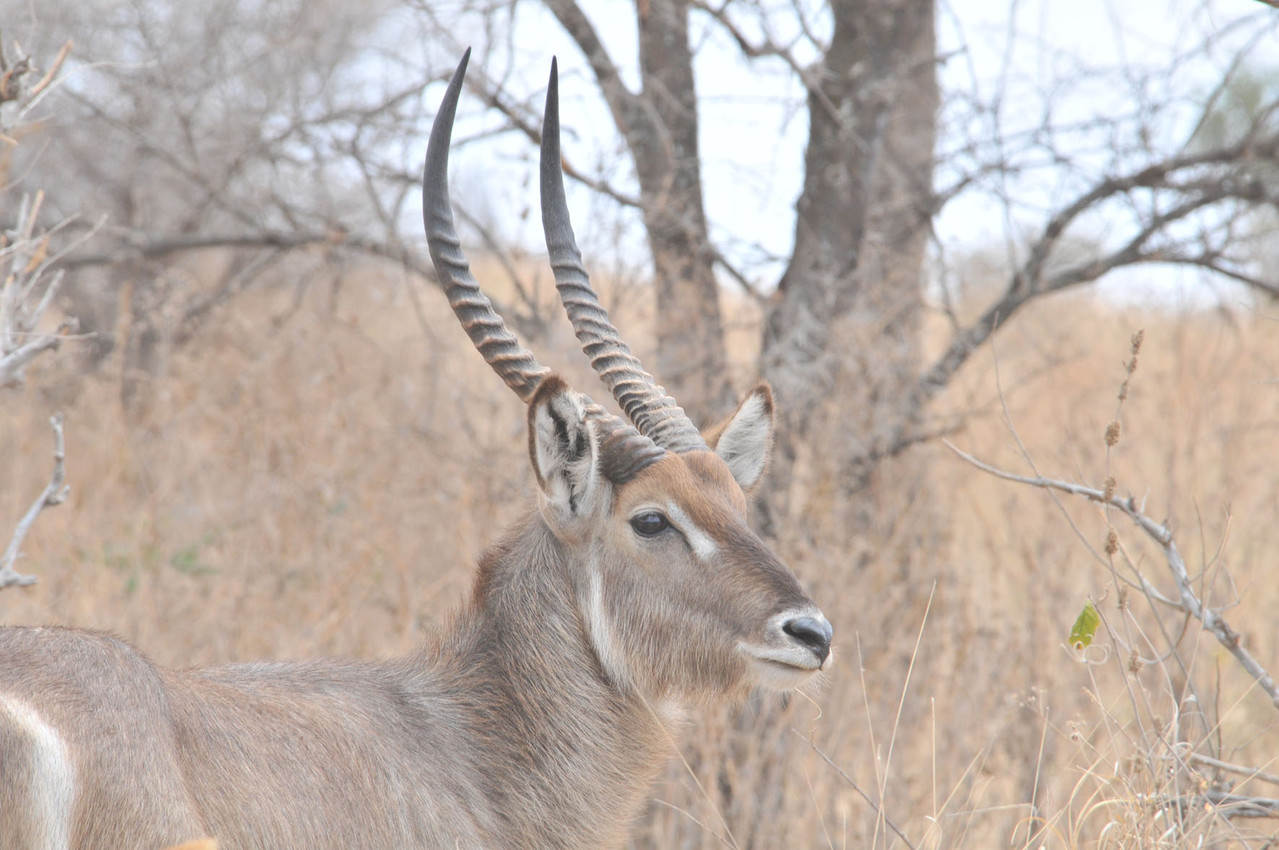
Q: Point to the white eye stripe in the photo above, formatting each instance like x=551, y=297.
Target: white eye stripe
x=702, y=544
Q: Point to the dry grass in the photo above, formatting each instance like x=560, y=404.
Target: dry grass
x=324, y=484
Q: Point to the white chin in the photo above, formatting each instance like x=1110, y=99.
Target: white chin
x=777, y=675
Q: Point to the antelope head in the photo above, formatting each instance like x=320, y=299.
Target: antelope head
x=679, y=599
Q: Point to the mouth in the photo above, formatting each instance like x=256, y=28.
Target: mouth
x=781, y=668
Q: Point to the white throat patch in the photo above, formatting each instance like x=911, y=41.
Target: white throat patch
x=601, y=631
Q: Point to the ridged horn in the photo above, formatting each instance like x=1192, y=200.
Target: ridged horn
x=501, y=350
x=646, y=404
x=624, y=451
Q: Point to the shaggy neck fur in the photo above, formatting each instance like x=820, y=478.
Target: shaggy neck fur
x=566, y=752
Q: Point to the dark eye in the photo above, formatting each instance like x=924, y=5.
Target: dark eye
x=649, y=524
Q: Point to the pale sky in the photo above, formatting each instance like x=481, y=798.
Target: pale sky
x=754, y=126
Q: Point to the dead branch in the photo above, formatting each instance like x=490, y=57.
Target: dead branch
x=54, y=494
x=1186, y=184
x=810, y=77
x=150, y=248
x=1237, y=769
x=1189, y=601
x=627, y=107
x=160, y=246
x=26, y=291
x=1223, y=804
x=21, y=90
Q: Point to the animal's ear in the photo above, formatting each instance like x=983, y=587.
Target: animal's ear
x=744, y=440
x=564, y=449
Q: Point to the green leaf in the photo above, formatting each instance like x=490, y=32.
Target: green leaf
x=1085, y=627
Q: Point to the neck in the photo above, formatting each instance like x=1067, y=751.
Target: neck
x=565, y=756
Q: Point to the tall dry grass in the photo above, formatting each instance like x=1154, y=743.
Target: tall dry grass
x=320, y=478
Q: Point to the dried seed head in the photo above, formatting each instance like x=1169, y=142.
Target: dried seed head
x=1112, y=542
x=1131, y=365
x=1112, y=433
x=1134, y=662
x=1122, y=601
x=1108, y=489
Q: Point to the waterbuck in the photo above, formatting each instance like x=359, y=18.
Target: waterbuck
x=537, y=717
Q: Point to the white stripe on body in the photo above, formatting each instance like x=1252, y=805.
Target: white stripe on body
x=52, y=790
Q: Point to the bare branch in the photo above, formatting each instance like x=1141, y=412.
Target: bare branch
x=810, y=77
x=26, y=292
x=1238, y=769
x=1189, y=182
x=201, y=307
x=749, y=289
x=17, y=98
x=750, y=49
x=1214, y=262
x=628, y=111
x=13, y=364
x=1223, y=805
x=532, y=128
x=1190, y=603
x=151, y=248
x=54, y=494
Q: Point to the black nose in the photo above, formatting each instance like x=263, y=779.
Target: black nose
x=814, y=634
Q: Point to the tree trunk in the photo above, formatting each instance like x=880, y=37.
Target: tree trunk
x=145, y=346
x=842, y=338
x=690, y=338
x=842, y=349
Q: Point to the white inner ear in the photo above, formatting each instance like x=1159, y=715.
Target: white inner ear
x=746, y=441
x=565, y=450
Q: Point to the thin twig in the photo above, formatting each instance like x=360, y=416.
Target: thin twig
x=1224, y=805
x=1210, y=618
x=26, y=291
x=54, y=494
x=1239, y=769
x=853, y=784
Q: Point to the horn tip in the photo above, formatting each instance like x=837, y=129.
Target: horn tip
x=461, y=66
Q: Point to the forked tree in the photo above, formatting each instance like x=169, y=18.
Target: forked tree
x=537, y=717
